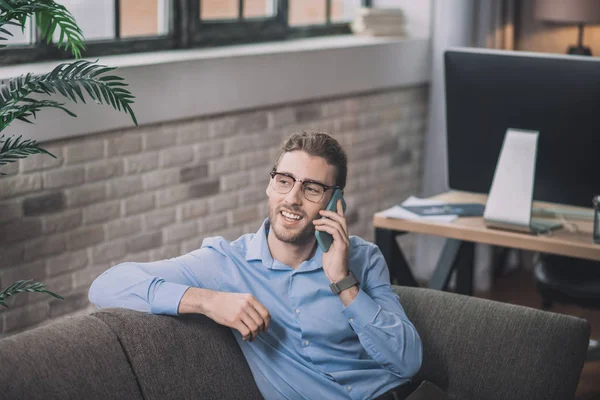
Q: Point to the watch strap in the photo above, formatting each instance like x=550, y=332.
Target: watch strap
x=346, y=283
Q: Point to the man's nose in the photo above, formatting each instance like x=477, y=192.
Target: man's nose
x=295, y=195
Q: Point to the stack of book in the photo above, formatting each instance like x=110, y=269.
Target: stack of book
x=379, y=22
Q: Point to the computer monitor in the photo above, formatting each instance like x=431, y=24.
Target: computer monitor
x=489, y=91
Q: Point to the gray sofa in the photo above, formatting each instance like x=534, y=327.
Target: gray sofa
x=473, y=349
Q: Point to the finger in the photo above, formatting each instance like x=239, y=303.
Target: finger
x=331, y=223
x=334, y=224
x=243, y=330
x=253, y=326
x=252, y=313
x=264, y=313
x=340, y=208
x=338, y=237
x=335, y=217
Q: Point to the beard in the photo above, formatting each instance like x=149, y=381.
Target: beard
x=299, y=235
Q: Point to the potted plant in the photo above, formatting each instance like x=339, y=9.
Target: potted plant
x=74, y=80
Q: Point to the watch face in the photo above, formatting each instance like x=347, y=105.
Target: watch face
x=334, y=288
x=346, y=283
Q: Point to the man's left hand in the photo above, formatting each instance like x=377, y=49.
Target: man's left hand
x=335, y=260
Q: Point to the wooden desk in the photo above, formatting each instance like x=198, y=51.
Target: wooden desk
x=464, y=232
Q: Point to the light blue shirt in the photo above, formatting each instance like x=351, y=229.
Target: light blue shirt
x=315, y=348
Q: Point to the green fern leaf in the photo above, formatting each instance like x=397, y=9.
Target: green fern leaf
x=68, y=79
x=49, y=16
x=23, y=112
x=13, y=150
x=25, y=286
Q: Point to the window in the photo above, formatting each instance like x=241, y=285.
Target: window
x=130, y=26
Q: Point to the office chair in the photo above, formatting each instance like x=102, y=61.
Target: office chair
x=569, y=280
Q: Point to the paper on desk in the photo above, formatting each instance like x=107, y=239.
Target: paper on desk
x=401, y=213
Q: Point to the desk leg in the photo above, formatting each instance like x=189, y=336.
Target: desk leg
x=445, y=265
x=456, y=255
x=400, y=273
x=465, y=269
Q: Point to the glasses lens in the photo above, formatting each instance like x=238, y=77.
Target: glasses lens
x=313, y=191
x=283, y=184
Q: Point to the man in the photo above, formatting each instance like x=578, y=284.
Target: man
x=301, y=340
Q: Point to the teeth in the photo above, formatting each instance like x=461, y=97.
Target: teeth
x=290, y=216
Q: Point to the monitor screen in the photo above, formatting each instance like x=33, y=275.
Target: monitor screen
x=489, y=91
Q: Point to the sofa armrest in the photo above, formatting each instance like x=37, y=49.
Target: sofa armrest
x=481, y=349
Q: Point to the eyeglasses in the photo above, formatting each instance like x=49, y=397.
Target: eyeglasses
x=312, y=191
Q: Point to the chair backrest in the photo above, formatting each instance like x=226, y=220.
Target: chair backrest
x=480, y=349
x=188, y=357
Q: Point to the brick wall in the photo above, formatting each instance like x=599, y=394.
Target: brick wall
x=155, y=192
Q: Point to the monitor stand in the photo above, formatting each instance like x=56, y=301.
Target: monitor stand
x=511, y=194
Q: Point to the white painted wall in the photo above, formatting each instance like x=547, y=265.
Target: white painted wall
x=452, y=26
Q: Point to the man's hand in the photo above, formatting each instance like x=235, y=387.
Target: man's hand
x=239, y=311
x=335, y=261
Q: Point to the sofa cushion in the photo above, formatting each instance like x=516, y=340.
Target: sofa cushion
x=76, y=358
x=187, y=357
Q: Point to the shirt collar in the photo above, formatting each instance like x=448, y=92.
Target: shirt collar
x=258, y=249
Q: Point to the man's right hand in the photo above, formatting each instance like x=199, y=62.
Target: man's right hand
x=239, y=311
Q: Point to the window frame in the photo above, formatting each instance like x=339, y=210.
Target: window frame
x=187, y=31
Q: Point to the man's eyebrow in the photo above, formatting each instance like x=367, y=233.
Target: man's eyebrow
x=305, y=180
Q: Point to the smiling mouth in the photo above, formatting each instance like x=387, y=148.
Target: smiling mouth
x=290, y=217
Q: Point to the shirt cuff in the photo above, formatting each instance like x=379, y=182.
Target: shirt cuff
x=167, y=297
x=362, y=311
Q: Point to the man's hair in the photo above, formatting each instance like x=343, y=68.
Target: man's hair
x=318, y=144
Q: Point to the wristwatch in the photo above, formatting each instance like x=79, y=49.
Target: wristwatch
x=346, y=283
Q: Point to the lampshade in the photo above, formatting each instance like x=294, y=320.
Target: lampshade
x=568, y=11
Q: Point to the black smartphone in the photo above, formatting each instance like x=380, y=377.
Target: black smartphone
x=323, y=238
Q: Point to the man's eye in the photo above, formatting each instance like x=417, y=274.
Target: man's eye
x=312, y=189
x=284, y=182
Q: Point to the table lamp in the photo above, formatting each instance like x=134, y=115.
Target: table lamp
x=580, y=12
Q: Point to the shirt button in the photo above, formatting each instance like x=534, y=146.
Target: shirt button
x=351, y=319
x=297, y=311
x=306, y=342
x=349, y=388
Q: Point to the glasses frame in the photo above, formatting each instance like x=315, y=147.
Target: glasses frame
x=303, y=181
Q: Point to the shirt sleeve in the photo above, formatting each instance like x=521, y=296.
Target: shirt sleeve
x=157, y=287
x=381, y=324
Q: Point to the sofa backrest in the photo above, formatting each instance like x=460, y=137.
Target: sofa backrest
x=188, y=357
x=472, y=348
x=480, y=349
x=76, y=358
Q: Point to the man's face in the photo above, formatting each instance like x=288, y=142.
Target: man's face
x=298, y=228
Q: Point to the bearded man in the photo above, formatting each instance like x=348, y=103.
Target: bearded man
x=311, y=324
